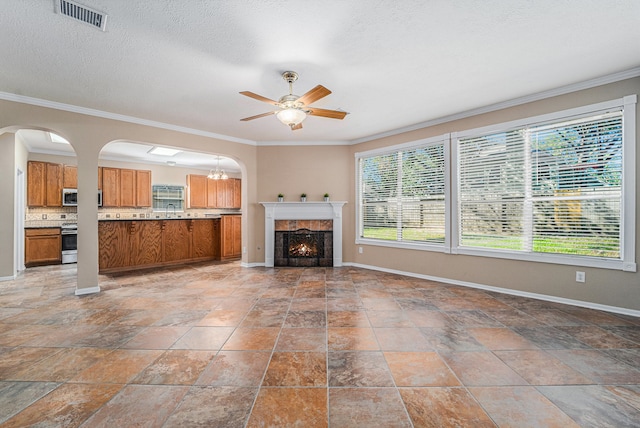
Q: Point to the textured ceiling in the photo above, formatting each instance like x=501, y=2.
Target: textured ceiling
x=391, y=64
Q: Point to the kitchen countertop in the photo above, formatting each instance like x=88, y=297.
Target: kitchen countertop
x=209, y=217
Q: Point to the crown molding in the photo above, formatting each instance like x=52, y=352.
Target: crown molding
x=574, y=87
x=587, y=84
x=120, y=117
x=305, y=143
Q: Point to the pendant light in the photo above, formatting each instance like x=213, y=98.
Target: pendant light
x=218, y=174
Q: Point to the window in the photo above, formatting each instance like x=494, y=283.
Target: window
x=167, y=197
x=549, y=189
x=402, y=194
x=557, y=188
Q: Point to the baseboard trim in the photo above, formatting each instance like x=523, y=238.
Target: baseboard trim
x=8, y=278
x=251, y=265
x=545, y=297
x=88, y=290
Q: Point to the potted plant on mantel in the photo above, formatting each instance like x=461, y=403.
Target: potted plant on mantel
x=280, y=197
x=303, y=197
x=326, y=197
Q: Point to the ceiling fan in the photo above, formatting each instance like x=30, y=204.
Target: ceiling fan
x=293, y=108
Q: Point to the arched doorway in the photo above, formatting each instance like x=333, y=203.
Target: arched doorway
x=145, y=181
x=46, y=215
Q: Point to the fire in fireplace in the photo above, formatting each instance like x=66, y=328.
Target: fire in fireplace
x=303, y=243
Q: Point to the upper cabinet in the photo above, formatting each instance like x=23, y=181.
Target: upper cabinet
x=206, y=193
x=197, y=191
x=70, y=177
x=143, y=188
x=110, y=187
x=126, y=188
x=44, y=184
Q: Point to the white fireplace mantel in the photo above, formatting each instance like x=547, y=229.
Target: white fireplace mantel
x=302, y=211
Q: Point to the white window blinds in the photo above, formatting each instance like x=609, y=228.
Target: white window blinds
x=550, y=188
x=402, y=195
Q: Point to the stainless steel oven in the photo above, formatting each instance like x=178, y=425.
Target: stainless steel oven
x=69, y=242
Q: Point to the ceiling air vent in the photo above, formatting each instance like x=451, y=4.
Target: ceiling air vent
x=82, y=13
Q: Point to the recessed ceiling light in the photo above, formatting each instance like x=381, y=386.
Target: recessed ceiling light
x=55, y=138
x=163, y=151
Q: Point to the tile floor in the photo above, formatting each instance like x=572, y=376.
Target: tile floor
x=218, y=345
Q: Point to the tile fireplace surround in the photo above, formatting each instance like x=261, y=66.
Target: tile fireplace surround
x=302, y=211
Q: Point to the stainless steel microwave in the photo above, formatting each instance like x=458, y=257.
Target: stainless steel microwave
x=70, y=197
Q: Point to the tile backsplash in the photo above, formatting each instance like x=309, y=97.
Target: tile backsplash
x=42, y=217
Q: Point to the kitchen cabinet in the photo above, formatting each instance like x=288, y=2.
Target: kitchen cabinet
x=206, y=240
x=231, y=237
x=128, y=188
x=206, y=193
x=236, y=192
x=197, y=191
x=229, y=193
x=44, y=184
x=42, y=246
x=110, y=187
x=212, y=193
x=143, y=188
x=69, y=177
x=125, y=187
x=133, y=244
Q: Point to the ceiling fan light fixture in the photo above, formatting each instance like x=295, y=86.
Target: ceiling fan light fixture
x=291, y=116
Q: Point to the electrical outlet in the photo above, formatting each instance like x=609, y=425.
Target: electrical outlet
x=244, y=250
x=360, y=250
x=44, y=216
x=580, y=276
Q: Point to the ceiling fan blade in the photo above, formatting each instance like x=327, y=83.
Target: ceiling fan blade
x=298, y=126
x=259, y=97
x=314, y=95
x=258, y=116
x=331, y=114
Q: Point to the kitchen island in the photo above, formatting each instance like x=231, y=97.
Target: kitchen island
x=144, y=243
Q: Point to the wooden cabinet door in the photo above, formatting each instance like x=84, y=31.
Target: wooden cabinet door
x=70, y=177
x=236, y=193
x=231, y=235
x=110, y=187
x=143, y=188
x=197, y=191
x=42, y=246
x=236, y=226
x=176, y=240
x=212, y=193
x=36, y=179
x=54, y=185
x=114, y=249
x=147, y=243
x=222, y=193
x=99, y=178
x=128, y=188
x=205, y=238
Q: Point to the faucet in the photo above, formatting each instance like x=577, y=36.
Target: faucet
x=166, y=210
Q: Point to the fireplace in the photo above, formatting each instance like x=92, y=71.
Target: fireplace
x=303, y=243
x=322, y=217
